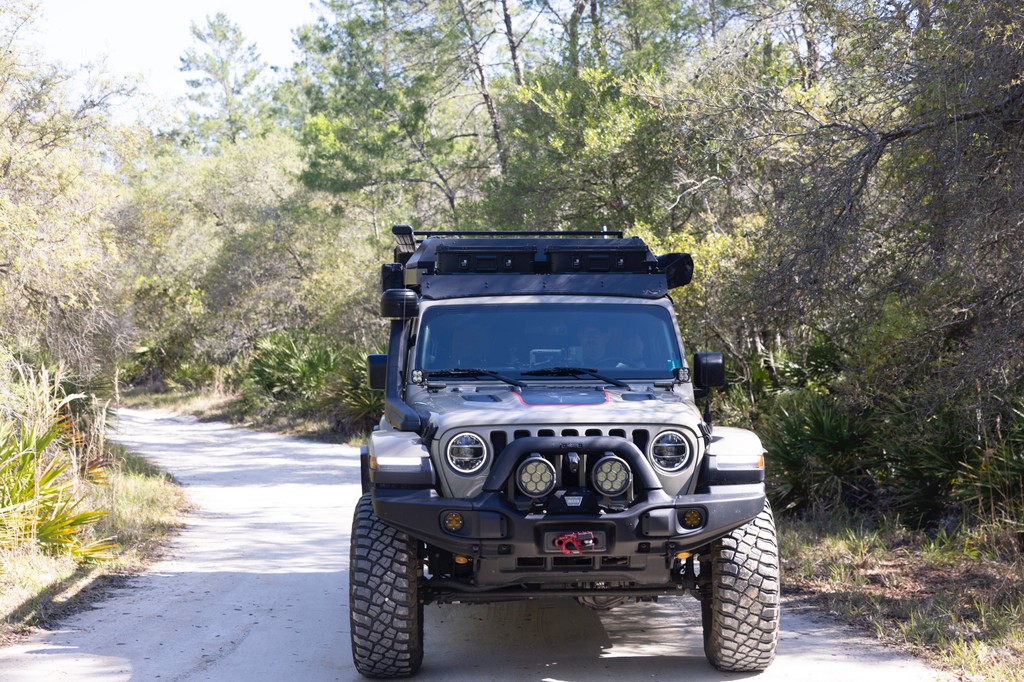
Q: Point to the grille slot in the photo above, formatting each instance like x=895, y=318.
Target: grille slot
x=499, y=439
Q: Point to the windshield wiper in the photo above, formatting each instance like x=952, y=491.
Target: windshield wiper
x=573, y=372
x=457, y=372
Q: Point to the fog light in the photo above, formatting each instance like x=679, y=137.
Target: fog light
x=461, y=559
x=453, y=522
x=536, y=477
x=611, y=476
x=692, y=518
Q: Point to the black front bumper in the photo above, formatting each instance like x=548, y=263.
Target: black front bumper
x=637, y=545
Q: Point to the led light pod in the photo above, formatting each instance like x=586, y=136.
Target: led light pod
x=611, y=476
x=536, y=477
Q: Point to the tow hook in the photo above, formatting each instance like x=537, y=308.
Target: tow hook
x=575, y=543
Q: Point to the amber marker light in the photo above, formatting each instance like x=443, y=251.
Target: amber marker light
x=453, y=522
x=692, y=518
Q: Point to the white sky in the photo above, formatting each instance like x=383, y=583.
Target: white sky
x=147, y=37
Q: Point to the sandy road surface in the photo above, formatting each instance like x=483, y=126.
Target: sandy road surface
x=255, y=589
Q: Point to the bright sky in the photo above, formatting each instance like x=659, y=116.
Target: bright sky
x=147, y=37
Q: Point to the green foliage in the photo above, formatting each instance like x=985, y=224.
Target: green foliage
x=359, y=407
x=293, y=365
x=587, y=151
x=992, y=483
x=59, y=289
x=816, y=454
x=385, y=126
x=40, y=478
x=307, y=370
x=225, y=74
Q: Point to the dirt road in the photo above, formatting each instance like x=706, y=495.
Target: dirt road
x=255, y=589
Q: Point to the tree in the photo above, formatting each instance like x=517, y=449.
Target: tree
x=58, y=257
x=394, y=91
x=226, y=81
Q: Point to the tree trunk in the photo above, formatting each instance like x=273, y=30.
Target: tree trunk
x=485, y=93
x=513, y=46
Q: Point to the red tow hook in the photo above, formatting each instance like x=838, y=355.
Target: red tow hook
x=575, y=543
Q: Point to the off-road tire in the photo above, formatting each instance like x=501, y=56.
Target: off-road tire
x=740, y=600
x=384, y=606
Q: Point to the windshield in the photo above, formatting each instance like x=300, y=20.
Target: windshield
x=619, y=341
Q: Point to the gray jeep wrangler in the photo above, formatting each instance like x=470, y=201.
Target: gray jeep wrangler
x=541, y=438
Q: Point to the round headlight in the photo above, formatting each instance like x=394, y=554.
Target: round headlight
x=536, y=477
x=467, y=453
x=671, y=451
x=611, y=476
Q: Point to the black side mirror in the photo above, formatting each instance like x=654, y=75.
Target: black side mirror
x=678, y=269
x=376, y=371
x=399, y=304
x=708, y=370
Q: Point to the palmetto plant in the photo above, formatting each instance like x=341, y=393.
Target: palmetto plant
x=291, y=365
x=816, y=454
x=41, y=452
x=359, y=408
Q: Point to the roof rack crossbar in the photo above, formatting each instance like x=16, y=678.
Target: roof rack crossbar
x=407, y=238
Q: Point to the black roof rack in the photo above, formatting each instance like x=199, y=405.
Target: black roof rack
x=407, y=238
x=459, y=264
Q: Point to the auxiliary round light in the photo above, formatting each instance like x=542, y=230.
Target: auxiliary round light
x=453, y=522
x=611, y=476
x=671, y=451
x=536, y=477
x=467, y=453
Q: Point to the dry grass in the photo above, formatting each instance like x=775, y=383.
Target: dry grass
x=956, y=599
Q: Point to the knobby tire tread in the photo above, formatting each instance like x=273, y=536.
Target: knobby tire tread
x=741, y=613
x=385, y=610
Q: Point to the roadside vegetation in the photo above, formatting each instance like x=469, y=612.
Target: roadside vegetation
x=848, y=177
x=75, y=510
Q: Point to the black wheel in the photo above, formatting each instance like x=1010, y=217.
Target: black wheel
x=740, y=603
x=384, y=605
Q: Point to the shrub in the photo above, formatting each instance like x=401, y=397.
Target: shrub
x=43, y=458
x=288, y=365
x=358, y=407
x=992, y=482
x=816, y=453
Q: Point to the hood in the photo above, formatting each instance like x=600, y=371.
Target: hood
x=470, y=405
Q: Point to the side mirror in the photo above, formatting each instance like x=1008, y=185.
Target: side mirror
x=708, y=370
x=678, y=269
x=376, y=371
x=399, y=304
